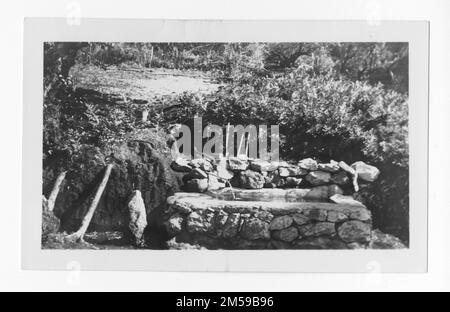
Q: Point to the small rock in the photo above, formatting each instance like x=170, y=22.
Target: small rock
x=255, y=229
x=196, y=223
x=251, y=179
x=316, y=214
x=181, y=207
x=273, y=179
x=331, y=167
x=174, y=224
x=281, y=222
x=231, y=227
x=202, y=163
x=181, y=165
x=196, y=185
x=286, y=235
x=221, y=219
x=300, y=219
x=237, y=164
x=264, y=216
x=263, y=166
x=347, y=200
x=138, y=217
x=308, y=164
x=293, y=182
x=340, y=178
x=317, y=229
x=354, y=231
x=291, y=171
x=336, y=216
x=366, y=172
x=318, y=177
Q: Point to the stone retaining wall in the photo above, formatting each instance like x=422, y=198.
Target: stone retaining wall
x=208, y=222
x=239, y=203
x=204, y=174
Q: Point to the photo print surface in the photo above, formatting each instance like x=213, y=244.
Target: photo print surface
x=233, y=146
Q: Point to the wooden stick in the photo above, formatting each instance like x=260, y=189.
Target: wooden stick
x=78, y=235
x=52, y=198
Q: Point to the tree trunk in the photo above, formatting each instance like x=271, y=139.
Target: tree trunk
x=78, y=235
x=52, y=198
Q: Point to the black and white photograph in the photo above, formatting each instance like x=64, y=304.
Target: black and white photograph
x=225, y=154
x=225, y=145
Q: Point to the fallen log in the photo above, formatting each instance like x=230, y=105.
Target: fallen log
x=78, y=235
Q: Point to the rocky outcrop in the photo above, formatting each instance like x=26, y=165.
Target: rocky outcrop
x=137, y=167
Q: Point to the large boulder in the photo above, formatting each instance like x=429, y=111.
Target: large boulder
x=251, y=179
x=366, y=172
x=138, y=166
x=138, y=218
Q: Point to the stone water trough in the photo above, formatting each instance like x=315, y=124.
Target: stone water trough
x=253, y=204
